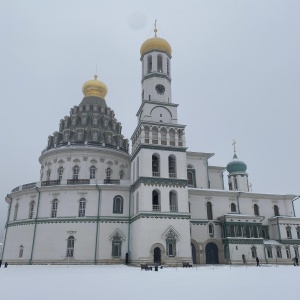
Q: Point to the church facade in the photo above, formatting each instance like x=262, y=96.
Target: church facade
x=98, y=203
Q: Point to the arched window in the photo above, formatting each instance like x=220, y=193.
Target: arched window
x=155, y=200
x=108, y=173
x=146, y=129
x=235, y=184
x=168, y=66
x=296, y=251
x=16, y=212
x=75, y=172
x=159, y=63
x=233, y=207
x=298, y=232
x=276, y=210
x=60, y=172
x=269, y=252
x=172, y=137
x=239, y=230
x=21, y=250
x=191, y=176
x=54, y=208
x=70, y=246
x=121, y=173
x=288, y=232
x=82, y=206
x=171, y=244
x=116, y=246
x=256, y=210
x=172, y=166
x=263, y=233
x=278, y=252
x=209, y=211
x=155, y=165
x=149, y=64
x=154, y=135
x=118, y=205
x=92, y=172
x=137, y=202
x=255, y=232
x=48, y=174
x=288, y=252
x=247, y=229
x=163, y=136
x=253, y=252
x=31, y=209
x=211, y=230
x=232, y=230
x=173, y=201
x=95, y=136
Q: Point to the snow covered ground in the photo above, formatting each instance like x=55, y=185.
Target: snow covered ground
x=121, y=282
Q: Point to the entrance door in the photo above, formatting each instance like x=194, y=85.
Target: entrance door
x=211, y=251
x=193, y=253
x=157, y=256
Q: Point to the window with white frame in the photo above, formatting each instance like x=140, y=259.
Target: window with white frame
x=118, y=205
x=233, y=207
x=288, y=252
x=60, y=172
x=253, y=252
x=75, y=172
x=82, y=206
x=54, y=208
x=92, y=172
x=269, y=252
x=256, y=210
x=31, y=209
x=70, y=246
x=48, y=174
x=16, y=212
x=288, y=232
x=171, y=244
x=296, y=250
x=276, y=210
x=95, y=136
x=211, y=230
x=278, y=252
x=298, y=232
x=108, y=173
x=116, y=246
x=173, y=201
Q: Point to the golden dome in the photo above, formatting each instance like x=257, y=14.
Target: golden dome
x=156, y=43
x=94, y=88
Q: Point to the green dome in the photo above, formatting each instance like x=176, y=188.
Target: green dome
x=236, y=166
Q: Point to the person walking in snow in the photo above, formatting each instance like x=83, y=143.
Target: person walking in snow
x=5, y=265
x=257, y=262
x=0, y=262
x=296, y=261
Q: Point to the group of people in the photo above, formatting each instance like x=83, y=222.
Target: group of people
x=5, y=265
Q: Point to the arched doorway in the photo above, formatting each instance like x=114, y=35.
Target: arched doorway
x=211, y=251
x=194, y=253
x=157, y=256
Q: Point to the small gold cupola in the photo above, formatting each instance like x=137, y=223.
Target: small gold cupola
x=94, y=88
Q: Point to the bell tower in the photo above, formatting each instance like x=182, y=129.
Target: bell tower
x=159, y=200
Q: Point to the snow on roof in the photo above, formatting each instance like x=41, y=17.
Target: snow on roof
x=272, y=242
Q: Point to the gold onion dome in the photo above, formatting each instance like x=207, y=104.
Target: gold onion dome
x=156, y=43
x=94, y=88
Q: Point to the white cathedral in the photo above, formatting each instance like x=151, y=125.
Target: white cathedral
x=99, y=203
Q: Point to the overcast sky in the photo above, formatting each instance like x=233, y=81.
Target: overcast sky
x=235, y=71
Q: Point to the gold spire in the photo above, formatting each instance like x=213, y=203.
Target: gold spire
x=155, y=29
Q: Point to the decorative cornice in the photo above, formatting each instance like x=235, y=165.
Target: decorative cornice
x=160, y=215
x=157, y=147
x=242, y=241
x=155, y=181
x=289, y=242
x=156, y=74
